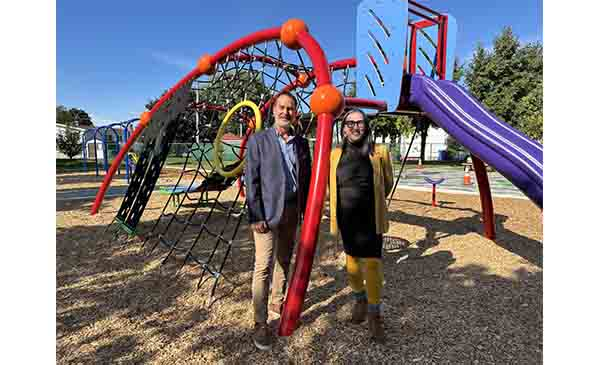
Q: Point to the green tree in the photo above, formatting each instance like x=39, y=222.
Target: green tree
x=81, y=118
x=459, y=70
x=405, y=126
x=392, y=127
x=63, y=116
x=423, y=125
x=226, y=90
x=529, y=114
x=380, y=126
x=69, y=143
x=73, y=117
x=187, y=126
x=508, y=81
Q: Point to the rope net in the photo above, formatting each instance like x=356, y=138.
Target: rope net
x=199, y=223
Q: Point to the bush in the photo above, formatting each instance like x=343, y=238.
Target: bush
x=69, y=143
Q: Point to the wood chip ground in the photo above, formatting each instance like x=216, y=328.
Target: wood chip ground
x=459, y=298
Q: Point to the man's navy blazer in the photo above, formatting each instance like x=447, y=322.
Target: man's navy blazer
x=265, y=176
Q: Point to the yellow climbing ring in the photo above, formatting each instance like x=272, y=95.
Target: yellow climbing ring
x=134, y=156
x=218, y=163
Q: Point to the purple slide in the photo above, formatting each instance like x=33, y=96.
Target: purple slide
x=510, y=152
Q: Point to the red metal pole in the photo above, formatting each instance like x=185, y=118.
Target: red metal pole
x=317, y=56
x=260, y=36
x=416, y=4
x=412, y=65
x=308, y=238
x=426, y=17
x=487, y=204
x=441, y=47
x=339, y=64
x=366, y=103
x=433, y=196
x=136, y=133
x=292, y=307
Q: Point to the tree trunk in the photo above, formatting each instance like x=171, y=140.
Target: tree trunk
x=423, y=143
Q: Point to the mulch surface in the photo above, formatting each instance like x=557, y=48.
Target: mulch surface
x=457, y=298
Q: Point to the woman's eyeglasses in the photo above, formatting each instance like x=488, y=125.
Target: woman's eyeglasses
x=355, y=124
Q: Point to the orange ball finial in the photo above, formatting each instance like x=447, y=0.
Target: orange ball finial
x=145, y=119
x=205, y=65
x=289, y=33
x=303, y=80
x=327, y=99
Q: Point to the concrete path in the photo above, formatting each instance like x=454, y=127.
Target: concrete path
x=412, y=179
x=454, y=183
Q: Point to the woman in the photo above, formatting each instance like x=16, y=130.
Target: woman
x=360, y=178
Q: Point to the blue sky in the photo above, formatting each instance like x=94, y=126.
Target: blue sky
x=112, y=56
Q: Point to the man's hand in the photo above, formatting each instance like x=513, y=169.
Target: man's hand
x=260, y=227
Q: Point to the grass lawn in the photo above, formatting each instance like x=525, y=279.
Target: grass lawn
x=76, y=165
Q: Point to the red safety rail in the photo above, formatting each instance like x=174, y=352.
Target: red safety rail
x=435, y=19
x=366, y=103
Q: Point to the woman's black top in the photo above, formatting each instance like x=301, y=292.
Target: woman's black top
x=356, y=204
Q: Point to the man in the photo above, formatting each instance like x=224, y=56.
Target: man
x=277, y=176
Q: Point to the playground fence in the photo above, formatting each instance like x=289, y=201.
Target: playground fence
x=231, y=150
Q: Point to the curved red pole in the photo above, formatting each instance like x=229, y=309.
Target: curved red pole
x=310, y=229
x=317, y=56
x=257, y=37
x=316, y=194
x=136, y=133
x=487, y=205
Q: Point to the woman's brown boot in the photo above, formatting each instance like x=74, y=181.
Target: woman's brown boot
x=376, y=327
x=359, y=311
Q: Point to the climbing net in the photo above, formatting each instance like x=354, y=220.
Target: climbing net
x=200, y=221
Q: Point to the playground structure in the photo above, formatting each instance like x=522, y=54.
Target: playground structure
x=434, y=184
x=404, y=58
x=121, y=132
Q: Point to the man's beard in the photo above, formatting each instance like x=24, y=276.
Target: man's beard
x=284, y=124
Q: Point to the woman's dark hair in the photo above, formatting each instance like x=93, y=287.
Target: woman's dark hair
x=366, y=147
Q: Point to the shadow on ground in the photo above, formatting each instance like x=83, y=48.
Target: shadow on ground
x=114, y=304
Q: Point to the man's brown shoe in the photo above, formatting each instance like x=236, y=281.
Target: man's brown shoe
x=359, y=311
x=263, y=339
x=275, y=308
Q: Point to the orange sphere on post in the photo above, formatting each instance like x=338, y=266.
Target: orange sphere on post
x=327, y=99
x=145, y=119
x=303, y=80
x=205, y=65
x=289, y=33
